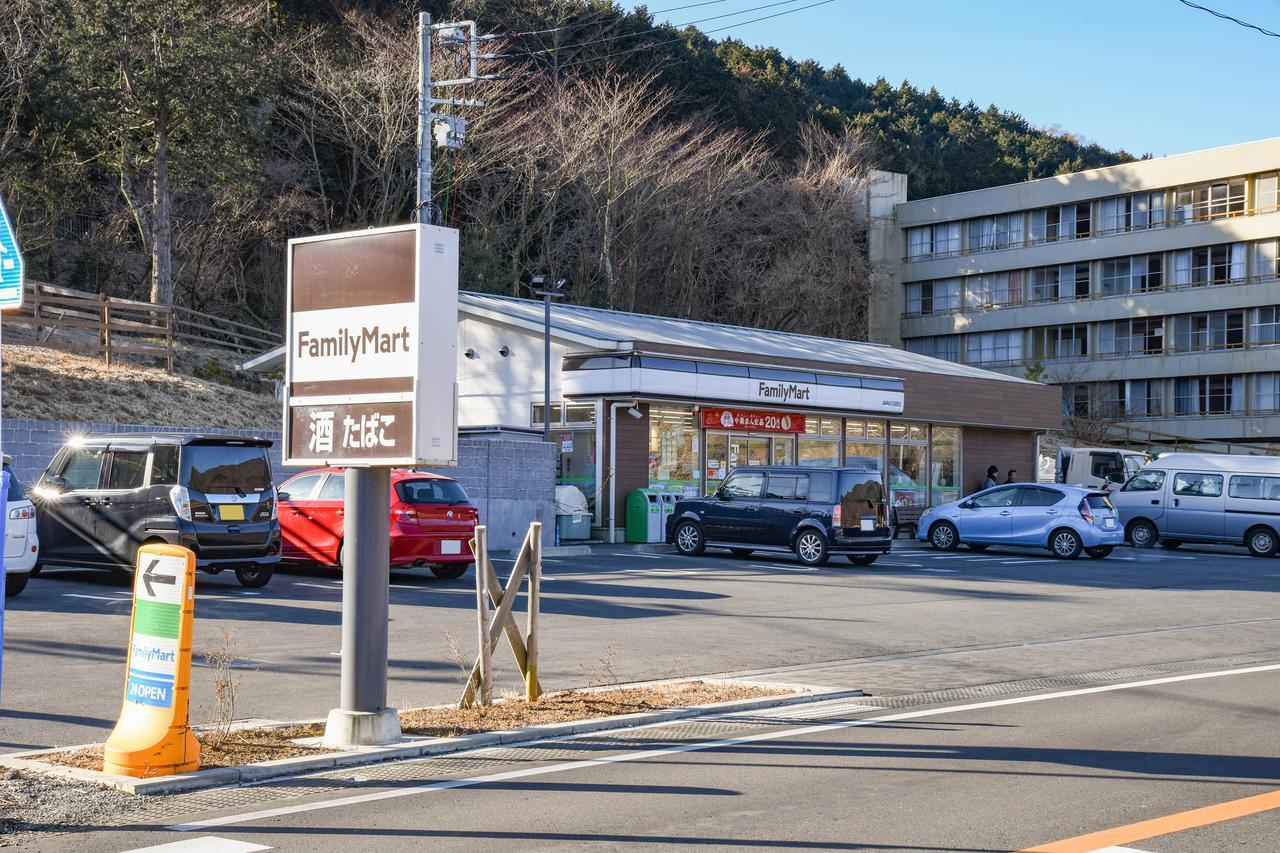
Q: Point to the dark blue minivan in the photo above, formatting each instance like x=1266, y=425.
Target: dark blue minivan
x=812, y=512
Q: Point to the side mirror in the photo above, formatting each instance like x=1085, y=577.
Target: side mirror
x=967, y=505
x=722, y=495
x=55, y=484
x=282, y=496
x=1116, y=477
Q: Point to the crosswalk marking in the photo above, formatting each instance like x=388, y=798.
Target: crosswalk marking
x=204, y=844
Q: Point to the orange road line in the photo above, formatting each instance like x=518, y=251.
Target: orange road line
x=1162, y=825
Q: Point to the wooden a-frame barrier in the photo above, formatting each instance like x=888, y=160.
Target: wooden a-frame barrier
x=479, y=689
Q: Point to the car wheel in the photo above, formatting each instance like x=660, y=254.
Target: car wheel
x=255, y=576
x=1065, y=544
x=1143, y=534
x=811, y=548
x=943, y=536
x=1261, y=541
x=863, y=559
x=976, y=546
x=36, y=570
x=1099, y=552
x=14, y=584
x=689, y=540
x=1170, y=544
x=741, y=553
x=449, y=571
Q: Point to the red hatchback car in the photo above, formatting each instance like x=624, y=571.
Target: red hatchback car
x=432, y=520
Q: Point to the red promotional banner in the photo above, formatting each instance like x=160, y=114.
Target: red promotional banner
x=752, y=421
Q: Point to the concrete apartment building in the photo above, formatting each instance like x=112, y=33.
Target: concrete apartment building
x=1149, y=290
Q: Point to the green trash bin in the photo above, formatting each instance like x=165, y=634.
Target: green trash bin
x=644, y=517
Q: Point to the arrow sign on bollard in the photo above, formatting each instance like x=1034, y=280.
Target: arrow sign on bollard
x=11, y=266
x=149, y=577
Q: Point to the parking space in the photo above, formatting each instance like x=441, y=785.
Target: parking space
x=633, y=616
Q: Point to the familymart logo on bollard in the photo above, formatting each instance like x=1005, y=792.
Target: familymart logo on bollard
x=157, y=618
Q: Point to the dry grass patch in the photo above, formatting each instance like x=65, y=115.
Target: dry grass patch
x=248, y=746
x=47, y=384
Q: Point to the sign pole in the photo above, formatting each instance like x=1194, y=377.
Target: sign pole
x=363, y=716
x=11, y=272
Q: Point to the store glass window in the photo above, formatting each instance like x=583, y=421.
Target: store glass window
x=944, y=465
x=673, y=438
x=819, y=446
x=864, y=444
x=908, y=456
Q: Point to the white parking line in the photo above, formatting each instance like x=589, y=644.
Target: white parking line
x=901, y=565
x=782, y=568
x=645, y=556
x=319, y=586
x=95, y=597
x=698, y=746
x=940, y=571
x=1023, y=562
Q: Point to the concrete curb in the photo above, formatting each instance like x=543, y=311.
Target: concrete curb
x=411, y=747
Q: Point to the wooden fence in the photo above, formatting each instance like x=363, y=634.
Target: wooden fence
x=110, y=327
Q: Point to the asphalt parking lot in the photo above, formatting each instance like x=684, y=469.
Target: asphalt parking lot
x=916, y=620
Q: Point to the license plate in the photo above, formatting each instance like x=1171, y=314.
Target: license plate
x=867, y=524
x=451, y=546
x=1108, y=522
x=231, y=512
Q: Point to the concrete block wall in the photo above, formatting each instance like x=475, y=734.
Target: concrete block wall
x=32, y=443
x=511, y=479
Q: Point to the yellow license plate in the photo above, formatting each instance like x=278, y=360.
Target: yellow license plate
x=231, y=512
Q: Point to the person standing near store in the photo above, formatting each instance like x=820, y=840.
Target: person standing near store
x=1010, y=477
x=991, y=482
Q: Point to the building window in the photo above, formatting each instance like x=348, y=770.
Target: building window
x=945, y=347
x=1266, y=193
x=1144, y=398
x=1138, y=336
x=1050, y=284
x=819, y=447
x=1109, y=401
x=1219, y=264
x=1131, y=212
x=1208, y=395
x=1001, y=288
x=1266, y=326
x=933, y=297
x=1055, y=342
x=1266, y=392
x=1075, y=400
x=944, y=465
x=1209, y=201
x=994, y=347
x=1214, y=330
x=1132, y=275
x=672, y=457
x=1265, y=255
x=995, y=232
x=933, y=240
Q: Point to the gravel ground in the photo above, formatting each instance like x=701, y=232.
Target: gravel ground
x=32, y=802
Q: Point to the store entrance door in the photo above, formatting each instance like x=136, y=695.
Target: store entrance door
x=729, y=450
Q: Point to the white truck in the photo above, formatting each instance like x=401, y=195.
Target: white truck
x=1097, y=467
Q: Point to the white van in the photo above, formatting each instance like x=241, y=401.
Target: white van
x=1097, y=467
x=21, y=545
x=1197, y=497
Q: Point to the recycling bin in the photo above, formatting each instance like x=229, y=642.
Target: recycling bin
x=644, y=516
x=572, y=519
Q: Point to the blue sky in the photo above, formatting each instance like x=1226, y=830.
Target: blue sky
x=1149, y=76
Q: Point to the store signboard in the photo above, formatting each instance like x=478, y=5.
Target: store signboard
x=371, y=370
x=750, y=421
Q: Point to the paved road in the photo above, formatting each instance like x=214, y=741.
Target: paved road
x=1168, y=764
x=915, y=621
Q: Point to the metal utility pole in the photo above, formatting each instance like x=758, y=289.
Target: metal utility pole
x=424, y=119
x=366, y=576
x=547, y=294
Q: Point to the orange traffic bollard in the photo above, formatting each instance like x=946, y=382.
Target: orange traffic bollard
x=153, y=736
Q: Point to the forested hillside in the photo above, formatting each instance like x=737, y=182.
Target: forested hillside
x=167, y=149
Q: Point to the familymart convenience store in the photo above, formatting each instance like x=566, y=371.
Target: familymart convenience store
x=639, y=401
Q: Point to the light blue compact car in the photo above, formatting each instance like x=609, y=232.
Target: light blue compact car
x=1067, y=520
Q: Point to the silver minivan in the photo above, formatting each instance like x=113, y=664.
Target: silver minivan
x=1199, y=497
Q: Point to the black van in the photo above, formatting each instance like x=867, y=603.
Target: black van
x=813, y=512
x=103, y=496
